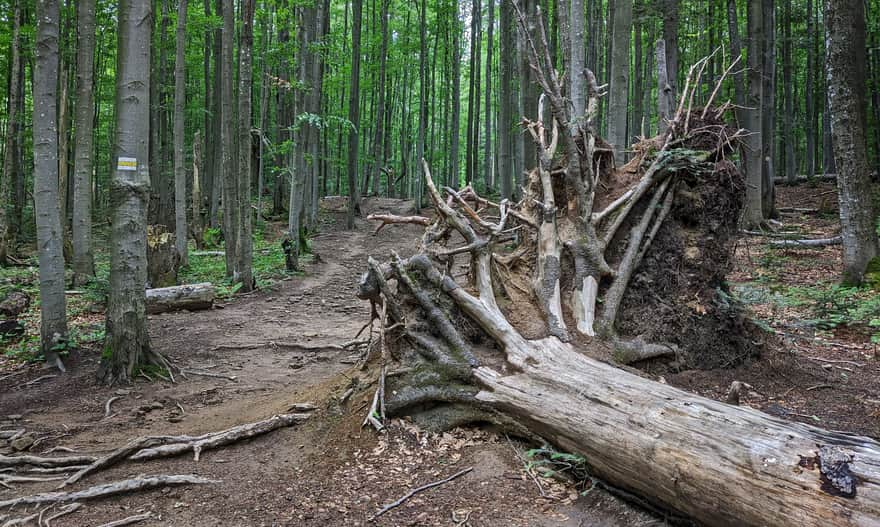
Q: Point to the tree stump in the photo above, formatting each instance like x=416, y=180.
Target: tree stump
x=163, y=259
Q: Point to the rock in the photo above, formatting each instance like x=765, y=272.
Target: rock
x=14, y=417
x=15, y=303
x=22, y=443
x=157, y=405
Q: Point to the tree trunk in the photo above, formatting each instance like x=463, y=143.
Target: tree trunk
x=192, y=297
x=810, y=92
x=506, y=101
x=127, y=344
x=577, y=61
x=180, y=230
x=754, y=214
x=215, y=173
x=83, y=259
x=423, y=98
x=198, y=219
x=163, y=260
x=244, y=249
x=229, y=165
x=665, y=104
x=670, y=36
x=12, y=135
x=53, y=315
x=354, y=199
x=488, y=166
x=846, y=62
x=379, y=136
x=455, y=121
x=788, y=118
x=618, y=92
x=768, y=111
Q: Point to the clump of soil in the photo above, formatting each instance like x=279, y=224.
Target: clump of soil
x=678, y=294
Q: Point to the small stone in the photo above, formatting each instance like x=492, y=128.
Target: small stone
x=123, y=392
x=157, y=405
x=22, y=443
x=14, y=417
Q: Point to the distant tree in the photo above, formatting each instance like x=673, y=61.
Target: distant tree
x=180, y=230
x=244, y=251
x=12, y=135
x=84, y=144
x=354, y=114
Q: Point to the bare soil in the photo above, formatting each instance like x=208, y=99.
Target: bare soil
x=281, y=346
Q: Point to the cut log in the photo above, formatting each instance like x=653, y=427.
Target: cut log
x=192, y=297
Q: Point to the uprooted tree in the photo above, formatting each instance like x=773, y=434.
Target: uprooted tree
x=598, y=262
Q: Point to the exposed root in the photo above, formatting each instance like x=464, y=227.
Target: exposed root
x=128, y=520
x=413, y=492
x=108, y=489
x=46, y=462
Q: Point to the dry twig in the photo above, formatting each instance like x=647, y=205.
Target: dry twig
x=413, y=492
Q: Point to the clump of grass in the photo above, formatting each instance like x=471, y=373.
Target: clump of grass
x=834, y=305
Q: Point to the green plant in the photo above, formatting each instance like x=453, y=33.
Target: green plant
x=212, y=238
x=550, y=461
x=836, y=305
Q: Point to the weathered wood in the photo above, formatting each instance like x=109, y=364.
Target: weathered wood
x=162, y=257
x=192, y=297
x=720, y=464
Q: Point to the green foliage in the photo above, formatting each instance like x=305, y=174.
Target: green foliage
x=212, y=238
x=549, y=461
x=836, y=305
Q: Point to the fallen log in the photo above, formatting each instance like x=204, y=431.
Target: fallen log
x=476, y=352
x=191, y=297
x=809, y=242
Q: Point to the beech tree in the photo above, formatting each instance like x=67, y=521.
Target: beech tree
x=180, y=230
x=127, y=341
x=12, y=134
x=53, y=307
x=846, y=63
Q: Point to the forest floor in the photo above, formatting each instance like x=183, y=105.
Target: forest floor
x=281, y=346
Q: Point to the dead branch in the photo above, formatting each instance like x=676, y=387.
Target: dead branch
x=209, y=374
x=109, y=403
x=818, y=242
x=413, y=492
x=388, y=219
x=109, y=489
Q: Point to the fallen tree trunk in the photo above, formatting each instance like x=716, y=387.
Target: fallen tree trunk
x=501, y=348
x=192, y=297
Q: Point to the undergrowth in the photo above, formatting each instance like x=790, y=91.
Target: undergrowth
x=833, y=306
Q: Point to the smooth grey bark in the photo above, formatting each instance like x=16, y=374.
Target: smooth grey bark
x=423, y=104
x=828, y=162
x=618, y=91
x=736, y=50
x=472, y=139
x=664, y=89
x=83, y=258
x=635, y=127
x=455, y=168
x=753, y=213
x=846, y=70
x=354, y=199
x=214, y=144
x=788, y=119
x=127, y=341
x=768, y=111
x=488, y=166
x=180, y=229
x=379, y=136
x=809, y=93
x=244, y=239
x=229, y=167
x=53, y=308
x=12, y=135
x=577, y=60
x=506, y=101
x=670, y=36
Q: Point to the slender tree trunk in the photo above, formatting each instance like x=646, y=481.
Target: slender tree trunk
x=127, y=344
x=166, y=181
x=229, y=168
x=828, y=159
x=768, y=111
x=488, y=166
x=379, y=136
x=618, y=92
x=577, y=47
x=208, y=166
x=53, y=315
x=455, y=124
x=244, y=249
x=215, y=174
x=788, y=118
x=198, y=225
x=423, y=102
x=753, y=214
x=354, y=200
x=470, y=146
x=670, y=35
x=810, y=92
x=477, y=50
x=83, y=259
x=180, y=229
x=846, y=64
x=635, y=128
x=506, y=103
x=7, y=211
x=664, y=89
x=63, y=103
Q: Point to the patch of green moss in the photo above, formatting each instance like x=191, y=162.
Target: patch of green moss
x=872, y=274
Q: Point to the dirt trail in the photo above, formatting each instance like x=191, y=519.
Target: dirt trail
x=326, y=472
